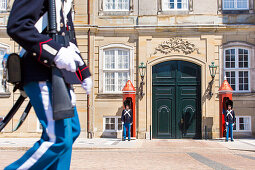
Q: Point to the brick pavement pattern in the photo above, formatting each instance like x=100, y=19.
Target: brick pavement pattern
x=155, y=154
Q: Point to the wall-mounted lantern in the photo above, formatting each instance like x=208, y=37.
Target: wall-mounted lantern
x=213, y=69
x=142, y=71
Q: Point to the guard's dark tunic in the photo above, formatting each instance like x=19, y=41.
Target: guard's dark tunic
x=37, y=61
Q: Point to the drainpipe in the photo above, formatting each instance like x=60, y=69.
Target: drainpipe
x=89, y=134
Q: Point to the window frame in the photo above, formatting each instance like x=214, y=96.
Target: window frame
x=115, y=70
x=1, y=7
x=237, y=69
x=238, y=124
x=116, y=124
x=164, y=8
x=6, y=49
x=235, y=8
x=102, y=66
x=115, y=10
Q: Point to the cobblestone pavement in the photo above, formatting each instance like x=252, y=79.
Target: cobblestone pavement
x=157, y=154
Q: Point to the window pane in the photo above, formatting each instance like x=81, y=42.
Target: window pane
x=122, y=80
x=231, y=78
x=243, y=58
x=235, y=4
x=3, y=4
x=241, y=126
x=242, y=4
x=109, y=59
x=107, y=127
x=241, y=120
x=119, y=126
x=113, y=120
x=116, y=5
x=119, y=120
x=109, y=81
x=2, y=53
x=243, y=80
x=230, y=58
x=112, y=126
x=123, y=59
x=175, y=4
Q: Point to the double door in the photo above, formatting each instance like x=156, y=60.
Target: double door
x=176, y=100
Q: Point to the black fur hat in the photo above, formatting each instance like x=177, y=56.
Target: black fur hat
x=127, y=103
x=229, y=102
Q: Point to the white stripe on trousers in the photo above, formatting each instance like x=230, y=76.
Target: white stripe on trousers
x=50, y=129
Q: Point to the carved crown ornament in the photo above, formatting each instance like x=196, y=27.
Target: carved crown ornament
x=177, y=45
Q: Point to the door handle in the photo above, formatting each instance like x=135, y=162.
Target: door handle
x=182, y=121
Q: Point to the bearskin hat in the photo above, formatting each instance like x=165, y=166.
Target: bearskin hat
x=229, y=102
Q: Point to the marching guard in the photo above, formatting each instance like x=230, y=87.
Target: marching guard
x=25, y=26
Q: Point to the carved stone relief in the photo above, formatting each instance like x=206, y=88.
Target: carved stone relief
x=177, y=45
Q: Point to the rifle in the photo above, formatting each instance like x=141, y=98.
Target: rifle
x=61, y=99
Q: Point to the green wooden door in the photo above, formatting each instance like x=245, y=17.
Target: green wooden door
x=176, y=100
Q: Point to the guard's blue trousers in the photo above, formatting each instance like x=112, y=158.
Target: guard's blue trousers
x=229, y=130
x=53, y=151
x=128, y=127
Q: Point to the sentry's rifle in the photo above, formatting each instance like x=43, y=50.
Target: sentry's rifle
x=61, y=99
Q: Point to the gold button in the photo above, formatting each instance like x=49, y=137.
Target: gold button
x=61, y=24
x=63, y=33
x=45, y=61
x=34, y=54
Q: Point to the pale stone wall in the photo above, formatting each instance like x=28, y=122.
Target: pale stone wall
x=142, y=29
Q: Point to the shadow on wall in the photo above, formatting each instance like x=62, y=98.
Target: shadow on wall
x=208, y=123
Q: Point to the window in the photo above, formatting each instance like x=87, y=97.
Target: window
x=3, y=87
x=235, y=4
x=3, y=5
x=112, y=124
x=243, y=124
x=236, y=66
x=175, y=4
x=116, y=5
x=116, y=69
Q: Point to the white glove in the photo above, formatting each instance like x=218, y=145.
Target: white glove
x=87, y=84
x=226, y=123
x=73, y=97
x=122, y=123
x=74, y=47
x=66, y=58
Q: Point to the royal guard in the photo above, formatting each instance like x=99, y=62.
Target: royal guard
x=229, y=119
x=45, y=51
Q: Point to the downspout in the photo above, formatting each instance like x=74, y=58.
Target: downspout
x=89, y=134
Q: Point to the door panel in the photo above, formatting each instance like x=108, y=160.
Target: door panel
x=176, y=100
x=163, y=98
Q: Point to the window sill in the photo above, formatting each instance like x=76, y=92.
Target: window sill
x=114, y=13
x=244, y=131
x=174, y=12
x=234, y=11
x=5, y=94
x=109, y=96
x=237, y=94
